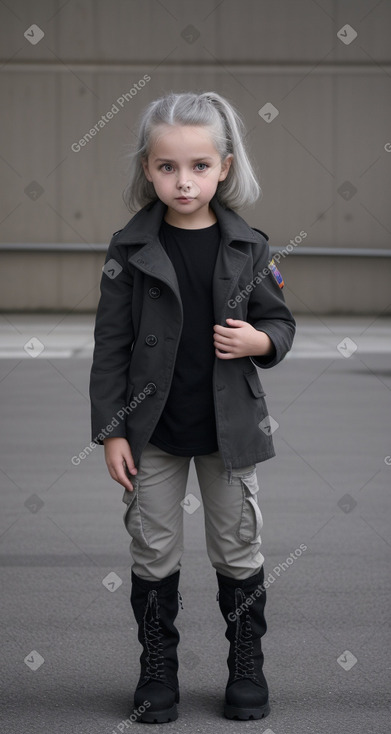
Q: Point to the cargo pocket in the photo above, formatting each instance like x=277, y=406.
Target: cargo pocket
x=251, y=520
x=132, y=516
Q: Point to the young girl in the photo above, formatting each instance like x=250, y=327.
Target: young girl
x=189, y=308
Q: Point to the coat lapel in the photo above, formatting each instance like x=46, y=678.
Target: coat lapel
x=151, y=258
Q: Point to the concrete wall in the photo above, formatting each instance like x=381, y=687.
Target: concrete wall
x=69, y=281
x=333, y=127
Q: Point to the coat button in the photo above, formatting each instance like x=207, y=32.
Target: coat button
x=151, y=340
x=154, y=292
x=150, y=389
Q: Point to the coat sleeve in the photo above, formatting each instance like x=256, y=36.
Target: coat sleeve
x=267, y=310
x=113, y=335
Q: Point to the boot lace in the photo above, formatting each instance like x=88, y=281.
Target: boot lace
x=153, y=639
x=243, y=644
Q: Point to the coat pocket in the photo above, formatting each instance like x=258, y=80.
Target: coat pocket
x=254, y=384
x=251, y=520
x=257, y=399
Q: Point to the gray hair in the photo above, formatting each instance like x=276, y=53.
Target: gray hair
x=239, y=189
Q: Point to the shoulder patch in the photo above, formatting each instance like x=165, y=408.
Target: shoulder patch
x=276, y=273
x=260, y=232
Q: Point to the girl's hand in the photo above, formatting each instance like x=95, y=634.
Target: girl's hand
x=119, y=459
x=241, y=341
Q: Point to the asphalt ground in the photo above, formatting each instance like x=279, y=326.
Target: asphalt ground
x=69, y=641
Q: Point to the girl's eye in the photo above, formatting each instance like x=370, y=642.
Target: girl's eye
x=170, y=166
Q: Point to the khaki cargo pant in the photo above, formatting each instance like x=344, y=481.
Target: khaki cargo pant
x=154, y=514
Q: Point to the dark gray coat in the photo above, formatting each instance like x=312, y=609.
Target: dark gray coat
x=138, y=326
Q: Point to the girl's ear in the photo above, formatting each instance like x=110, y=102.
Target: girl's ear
x=225, y=166
x=144, y=162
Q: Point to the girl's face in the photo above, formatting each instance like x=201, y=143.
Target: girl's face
x=185, y=168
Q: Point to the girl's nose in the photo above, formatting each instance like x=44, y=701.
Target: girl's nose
x=183, y=180
x=189, y=188
x=186, y=186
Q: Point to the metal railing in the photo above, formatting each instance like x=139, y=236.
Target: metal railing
x=296, y=251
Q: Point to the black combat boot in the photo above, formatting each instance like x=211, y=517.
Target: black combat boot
x=242, y=604
x=155, y=606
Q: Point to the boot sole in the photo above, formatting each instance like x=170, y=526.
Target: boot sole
x=235, y=712
x=160, y=717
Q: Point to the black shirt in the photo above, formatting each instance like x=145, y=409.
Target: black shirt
x=187, y=426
